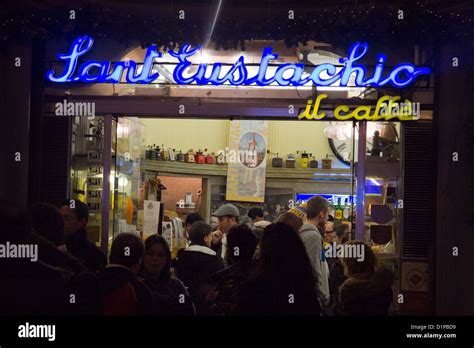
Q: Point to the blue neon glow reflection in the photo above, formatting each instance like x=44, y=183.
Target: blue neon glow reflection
x=103, y=72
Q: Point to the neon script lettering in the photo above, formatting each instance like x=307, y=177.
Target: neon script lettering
x=105, y=72
x=386, y=109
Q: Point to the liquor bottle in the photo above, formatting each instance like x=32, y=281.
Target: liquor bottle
x=338, y=214
x=347, y=210
x=331, y=207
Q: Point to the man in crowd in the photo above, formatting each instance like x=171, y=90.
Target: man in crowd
x=125, y=293
x=256, y=214
x=228, y=216
x=311, y=235
x=28, y=285
x=188, y=222
x=76, y=215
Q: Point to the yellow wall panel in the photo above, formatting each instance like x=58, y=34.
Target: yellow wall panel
x=187, y=133
x=284, y=136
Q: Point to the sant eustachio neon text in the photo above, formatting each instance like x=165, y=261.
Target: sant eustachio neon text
x=94, y=71
x=387, y=108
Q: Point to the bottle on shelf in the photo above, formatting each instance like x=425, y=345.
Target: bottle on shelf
x=338, y=213
x=180, y=156
x=346, y=212
x=148, y=152
x=152, y=152
x=158, y=157
x=331, y=207
x=354, y=209
x=165, y=156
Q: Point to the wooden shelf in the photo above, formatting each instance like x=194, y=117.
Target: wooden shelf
x=209, y=170
x=382, y=169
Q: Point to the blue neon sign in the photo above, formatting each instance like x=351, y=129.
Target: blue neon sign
x=104, y=72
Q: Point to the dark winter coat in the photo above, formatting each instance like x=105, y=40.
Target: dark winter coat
x=336, y=279
x=260, y=297
x=114, y=277
x=229, y=283
x=170, y=295
x=82, y=290
x=367, y=294
x=30, y=288
x=86, y=251
x=194, y=266
x=49, y=254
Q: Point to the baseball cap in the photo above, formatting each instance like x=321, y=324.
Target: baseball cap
x=227, y=210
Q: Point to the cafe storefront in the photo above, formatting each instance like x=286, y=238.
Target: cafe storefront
x=153, y=135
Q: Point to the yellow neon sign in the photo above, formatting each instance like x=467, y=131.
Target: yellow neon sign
x=387, y=108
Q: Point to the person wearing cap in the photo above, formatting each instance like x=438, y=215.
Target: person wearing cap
x=228, y=216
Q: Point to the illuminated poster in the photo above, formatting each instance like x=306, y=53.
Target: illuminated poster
x=246, y=161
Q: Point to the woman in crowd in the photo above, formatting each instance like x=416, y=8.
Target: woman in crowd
x=284, y=282
x=367, y=291
x=336, y=269
x=241, y=244
x=171, y=296
x=197, y=263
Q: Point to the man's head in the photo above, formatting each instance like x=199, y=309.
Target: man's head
x=317, y=211
x=200, y=234
x=75, y=215
x=190, y=219
x=329, y=235
x=228, y=216
x=127, y=250
x=256, y=214
x=48, y=222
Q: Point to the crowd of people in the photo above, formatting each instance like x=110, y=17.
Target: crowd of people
x=254, y=268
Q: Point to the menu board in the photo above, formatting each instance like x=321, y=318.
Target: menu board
x=151, y=217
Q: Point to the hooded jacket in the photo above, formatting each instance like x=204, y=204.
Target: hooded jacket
x=114, y=277
x=367, y=294
x=313, y=243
